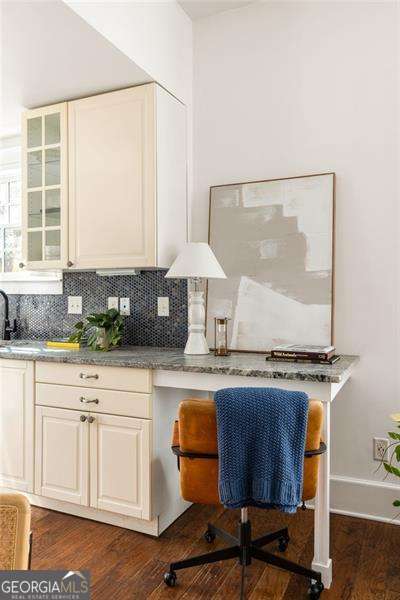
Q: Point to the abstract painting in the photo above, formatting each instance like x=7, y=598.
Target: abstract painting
x=274, y=240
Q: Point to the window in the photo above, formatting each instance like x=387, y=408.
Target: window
x=10, y=227
x=10, y=221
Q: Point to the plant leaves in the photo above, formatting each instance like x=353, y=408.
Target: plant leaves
x=391, y=469
x=394, y=435
x=111, y=323
x=396, y=503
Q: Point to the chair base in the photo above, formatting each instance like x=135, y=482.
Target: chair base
x=245, y=549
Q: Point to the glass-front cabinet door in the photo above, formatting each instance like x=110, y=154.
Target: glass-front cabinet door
x=44, y=188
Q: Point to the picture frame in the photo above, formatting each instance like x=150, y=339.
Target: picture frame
x=274, y=238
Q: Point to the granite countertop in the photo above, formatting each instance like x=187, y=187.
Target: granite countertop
x=173, y=359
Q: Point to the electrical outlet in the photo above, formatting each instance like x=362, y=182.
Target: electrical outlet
x=163, y=306
x=74, y=305
x=112, y=302
x=124, y=306
x=380, y=447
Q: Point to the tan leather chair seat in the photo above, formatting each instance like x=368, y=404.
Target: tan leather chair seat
x=196, y=431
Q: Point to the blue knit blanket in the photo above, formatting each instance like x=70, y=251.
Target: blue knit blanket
x=261, y=443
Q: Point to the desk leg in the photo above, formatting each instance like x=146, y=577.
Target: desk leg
x=322, y=562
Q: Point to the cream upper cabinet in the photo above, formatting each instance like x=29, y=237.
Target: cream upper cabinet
x=127, y=179
x=104, y=181
x=16, y=424
x=45, y=188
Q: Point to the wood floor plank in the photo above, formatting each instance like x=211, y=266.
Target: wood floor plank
x=127, y=565
x=273, y=583
x=347, y=541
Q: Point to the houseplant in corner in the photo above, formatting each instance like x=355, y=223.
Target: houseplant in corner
x=104, y=330
x=394, y=450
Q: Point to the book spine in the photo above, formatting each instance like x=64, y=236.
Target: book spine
x=308, y=361
x=308, y=355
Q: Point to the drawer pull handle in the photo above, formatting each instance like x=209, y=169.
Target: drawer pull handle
x=88, y=376
x=90, y=419
x=88, y=400
x=83, y=418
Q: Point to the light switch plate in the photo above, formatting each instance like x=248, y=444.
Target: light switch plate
x=74, y=305
x=124, y=306
x=112, y=302
x=163, y=306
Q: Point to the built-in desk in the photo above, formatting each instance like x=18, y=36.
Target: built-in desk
x=166, y=376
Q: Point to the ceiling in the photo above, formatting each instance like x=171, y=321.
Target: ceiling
x=49, y=54
x=197, y=9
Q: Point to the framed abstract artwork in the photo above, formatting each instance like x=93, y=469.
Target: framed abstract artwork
x=275, y=241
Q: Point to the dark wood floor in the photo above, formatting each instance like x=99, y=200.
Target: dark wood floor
x=125, y=564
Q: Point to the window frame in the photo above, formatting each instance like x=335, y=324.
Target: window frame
x=40, y=282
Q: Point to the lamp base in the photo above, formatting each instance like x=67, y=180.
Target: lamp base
x=196, y=344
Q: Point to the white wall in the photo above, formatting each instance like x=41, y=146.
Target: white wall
x=156, y=35
x=284, y=89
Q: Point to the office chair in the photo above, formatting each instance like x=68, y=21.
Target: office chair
x=195, y=445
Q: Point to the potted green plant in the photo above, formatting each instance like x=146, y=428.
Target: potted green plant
x=392, y=453
x=103, y=330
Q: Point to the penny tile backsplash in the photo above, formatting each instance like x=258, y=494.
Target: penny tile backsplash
x=42, y=317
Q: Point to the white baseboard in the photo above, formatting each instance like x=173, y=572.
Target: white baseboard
x=365, y=498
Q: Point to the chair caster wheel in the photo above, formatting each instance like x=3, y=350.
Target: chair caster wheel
x=283, y=543
x=170, y=578
x=209, y=536
x=315, y=590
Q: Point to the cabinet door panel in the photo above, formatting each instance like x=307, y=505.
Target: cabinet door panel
x=120, y=465
x=16, y=425
x=62, y=459
x=112, y=179
x=45, y=188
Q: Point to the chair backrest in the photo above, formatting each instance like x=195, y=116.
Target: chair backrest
x=15, y=523
x=196, y=432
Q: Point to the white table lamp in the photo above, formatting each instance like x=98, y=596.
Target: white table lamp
x=196, y=261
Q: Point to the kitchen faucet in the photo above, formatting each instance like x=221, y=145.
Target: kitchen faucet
x=7, y=329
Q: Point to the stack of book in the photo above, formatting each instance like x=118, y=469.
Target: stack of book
x=322, y=355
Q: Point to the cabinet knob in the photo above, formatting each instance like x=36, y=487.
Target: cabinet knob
x=21, y=265
x=83, y=418
x=88, y=376
x=88, y=400
x=70, y=263
x=90, y=419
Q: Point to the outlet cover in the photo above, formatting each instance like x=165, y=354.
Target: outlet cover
x=74, y=305
x=163, y=306
x=124, y=306
x=380, y=447
x=112, y=302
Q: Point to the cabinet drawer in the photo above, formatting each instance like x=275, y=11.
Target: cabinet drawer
x=109, y=378
x=127, y=404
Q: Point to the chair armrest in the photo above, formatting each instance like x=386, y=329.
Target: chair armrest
x=320, y=450
x=178, y=452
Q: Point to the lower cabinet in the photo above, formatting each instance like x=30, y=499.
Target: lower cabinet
x=62, y=455
x=120, y=465
x=16, y=424
x=96, y=460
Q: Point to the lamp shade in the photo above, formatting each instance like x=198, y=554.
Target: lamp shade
x=196, y=260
